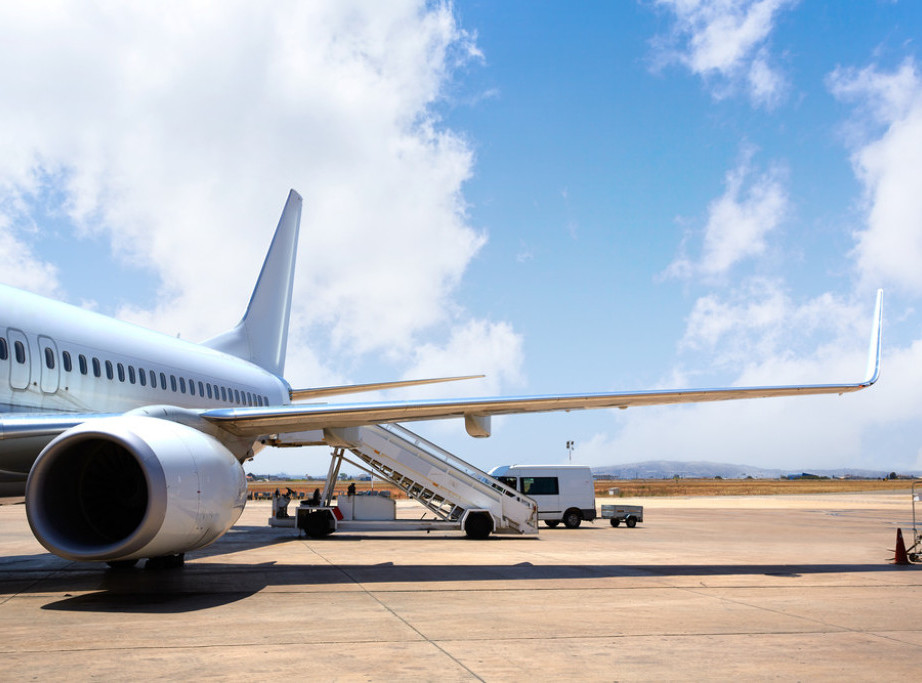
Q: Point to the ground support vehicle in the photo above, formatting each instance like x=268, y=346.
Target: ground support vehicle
x=457, y=494
x=629, y=514
x=564, y=493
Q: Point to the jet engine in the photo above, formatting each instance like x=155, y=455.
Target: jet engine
x=128, y=487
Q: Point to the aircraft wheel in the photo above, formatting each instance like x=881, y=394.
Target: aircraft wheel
x=166, y=562
x=121, y=565
x=552, y=522
x=572, y=518
x=631, y=522
x=615, y=522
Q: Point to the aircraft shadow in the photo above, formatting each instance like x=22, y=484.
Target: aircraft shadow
x=201, y=586
x=204, y=583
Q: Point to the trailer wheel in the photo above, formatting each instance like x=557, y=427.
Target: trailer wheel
x=615, y=522
x=552, y=522
x=478, y=525
x=631, y=522
x=572, y=518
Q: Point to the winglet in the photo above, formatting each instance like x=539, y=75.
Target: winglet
x=873, y=372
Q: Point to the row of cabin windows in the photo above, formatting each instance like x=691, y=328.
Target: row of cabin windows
x=137, y=376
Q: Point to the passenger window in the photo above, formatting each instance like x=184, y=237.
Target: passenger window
x=81, y=361
x=223, y=394
x=4, y=349
x=109, y=373
x=201, y=389
x=236, y=396
x=182, y=385
x=131, y=376
x=153, y=379
x=163, y=381
x=208, y=390
x=121, y=372
x=66, y=362
x=49, y=358
x=97, y=370
x=20, y=352
x=173, y=382
x=540, y=486
x=142, y=377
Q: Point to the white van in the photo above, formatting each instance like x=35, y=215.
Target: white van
x=564, y=493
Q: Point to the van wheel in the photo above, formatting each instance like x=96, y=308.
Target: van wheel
x=552, y=522
x=572, y=518
x=631, y=522
x=616, y=522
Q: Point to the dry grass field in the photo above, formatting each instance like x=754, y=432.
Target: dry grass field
x=649, y=488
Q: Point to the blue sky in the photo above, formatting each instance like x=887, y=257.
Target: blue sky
x=566, y=197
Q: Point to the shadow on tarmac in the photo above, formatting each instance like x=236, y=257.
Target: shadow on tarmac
x=204, y=584
x=201, y=586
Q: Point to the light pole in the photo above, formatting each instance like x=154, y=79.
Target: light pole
x=570, y=450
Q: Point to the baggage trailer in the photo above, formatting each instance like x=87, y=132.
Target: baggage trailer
x=629, y=514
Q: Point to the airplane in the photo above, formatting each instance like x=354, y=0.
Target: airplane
x=128, y=444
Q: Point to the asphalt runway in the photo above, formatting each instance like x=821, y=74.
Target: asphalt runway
x=781, y=587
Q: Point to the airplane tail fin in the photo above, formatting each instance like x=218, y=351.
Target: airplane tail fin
x=261, y=337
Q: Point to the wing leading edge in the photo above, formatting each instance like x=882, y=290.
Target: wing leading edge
x=477, y=411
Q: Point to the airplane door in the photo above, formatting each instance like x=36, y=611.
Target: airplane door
x=48, y=358
x=20, y=360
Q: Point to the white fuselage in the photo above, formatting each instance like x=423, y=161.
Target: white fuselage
x=57, y=358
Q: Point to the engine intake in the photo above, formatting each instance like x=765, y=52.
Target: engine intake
x=128, y=487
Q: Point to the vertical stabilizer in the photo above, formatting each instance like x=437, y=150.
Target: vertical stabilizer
x=262, y=336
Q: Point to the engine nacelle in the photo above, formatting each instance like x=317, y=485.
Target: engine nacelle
x=128, y=487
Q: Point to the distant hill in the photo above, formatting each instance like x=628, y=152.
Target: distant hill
x=666, y=469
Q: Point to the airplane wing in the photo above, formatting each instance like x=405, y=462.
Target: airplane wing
x=303, y=394
x=477, y=411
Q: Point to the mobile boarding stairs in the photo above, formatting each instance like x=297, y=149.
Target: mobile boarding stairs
x=458, y=495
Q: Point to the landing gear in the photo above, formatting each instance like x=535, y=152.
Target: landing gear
x=121, y=565
x=166, y=562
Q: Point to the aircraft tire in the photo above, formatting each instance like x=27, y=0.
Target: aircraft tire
x=121, y=565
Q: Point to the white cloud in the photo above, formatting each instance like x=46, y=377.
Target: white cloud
x=20, y=266
x=723, y=41
x=176, y=130
x=478, y=347
x=889, y=249
x=739, y=221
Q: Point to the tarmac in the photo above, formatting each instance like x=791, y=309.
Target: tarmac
x=741, y=588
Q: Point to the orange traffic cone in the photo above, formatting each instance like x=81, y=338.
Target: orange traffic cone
x=900, y=556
